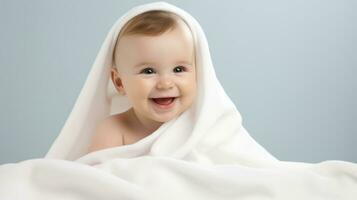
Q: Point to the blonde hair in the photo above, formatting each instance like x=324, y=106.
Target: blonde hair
x=150, y=23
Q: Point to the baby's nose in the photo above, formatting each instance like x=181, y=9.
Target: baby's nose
x=164, y=82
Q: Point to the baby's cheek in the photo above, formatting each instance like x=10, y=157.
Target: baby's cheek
x=190, y=84
x=142, y=88
x=188, y=93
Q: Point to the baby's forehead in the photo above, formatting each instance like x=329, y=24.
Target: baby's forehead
x=178, y=38
x=181, y=29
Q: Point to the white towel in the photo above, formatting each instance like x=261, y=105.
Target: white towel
x=205, y=153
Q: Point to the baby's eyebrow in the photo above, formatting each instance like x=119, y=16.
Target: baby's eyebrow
x=184, y=63
x=142, y=64
x=153, y=64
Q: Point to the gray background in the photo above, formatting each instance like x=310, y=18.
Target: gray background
x=289, y=66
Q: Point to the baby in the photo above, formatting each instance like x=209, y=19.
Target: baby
x=154, y=65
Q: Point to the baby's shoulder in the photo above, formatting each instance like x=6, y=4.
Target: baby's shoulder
x=111, y=123
x=107, y=134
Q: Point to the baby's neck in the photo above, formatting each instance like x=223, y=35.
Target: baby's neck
x=140, y=125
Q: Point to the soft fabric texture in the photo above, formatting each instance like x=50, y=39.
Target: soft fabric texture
x=205, y=153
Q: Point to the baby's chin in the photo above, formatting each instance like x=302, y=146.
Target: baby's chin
x=164, y=119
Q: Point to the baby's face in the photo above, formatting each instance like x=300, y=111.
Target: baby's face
x=157, y=66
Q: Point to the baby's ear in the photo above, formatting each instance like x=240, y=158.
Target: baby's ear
x=117, y=81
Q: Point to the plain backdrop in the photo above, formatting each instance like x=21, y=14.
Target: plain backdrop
x=289, y=67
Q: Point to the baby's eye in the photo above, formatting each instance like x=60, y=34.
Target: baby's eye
x=181, y=68
x=150, y=70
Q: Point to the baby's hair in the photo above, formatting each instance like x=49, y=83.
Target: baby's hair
x=150, y=23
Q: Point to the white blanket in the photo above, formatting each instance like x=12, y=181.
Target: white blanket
x=205, y=153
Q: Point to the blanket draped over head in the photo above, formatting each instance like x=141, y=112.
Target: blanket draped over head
x=204, y=153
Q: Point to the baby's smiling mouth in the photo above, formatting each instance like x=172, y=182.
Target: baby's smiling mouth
x=163, y=100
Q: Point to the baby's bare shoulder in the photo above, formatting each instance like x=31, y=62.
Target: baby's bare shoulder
x=107, y=134
x=110, y=124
